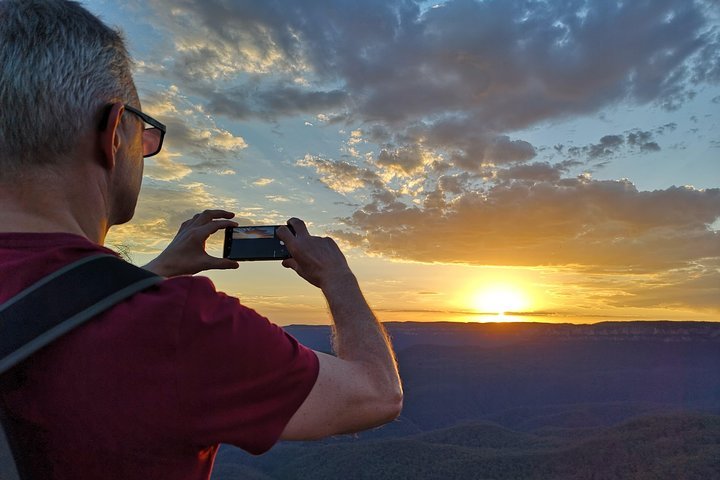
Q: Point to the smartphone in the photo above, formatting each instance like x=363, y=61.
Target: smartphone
x=254, y=242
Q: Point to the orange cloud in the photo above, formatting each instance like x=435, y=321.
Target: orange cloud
x=597, y=225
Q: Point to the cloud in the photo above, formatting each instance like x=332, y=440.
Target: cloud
x=693, y=287
x=342, y=177
x=261, y=182
x=609, y=146
x=203, y=62
x=243, y=103
x=404, y=159
x=162, y=167
x=443, y=94
x=588, y=224
x=277, y=198
x=499, y=65
x=536, y=172
x=464, y=144
x=191, y=133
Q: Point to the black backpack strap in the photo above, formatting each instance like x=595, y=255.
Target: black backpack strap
x=64, y=300
x=55, y=305
x=8, y=468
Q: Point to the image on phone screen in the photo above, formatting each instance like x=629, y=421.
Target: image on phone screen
x=254, y=242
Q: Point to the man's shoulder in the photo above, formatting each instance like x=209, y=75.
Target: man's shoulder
x=26, y=258
x=189, y=288
x=196, y=303
x=188, y=284
x=193, y=294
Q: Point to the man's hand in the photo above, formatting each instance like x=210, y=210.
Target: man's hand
x=316, y=259
x=186, y=253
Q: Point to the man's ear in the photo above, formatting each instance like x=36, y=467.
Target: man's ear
x=111, y=136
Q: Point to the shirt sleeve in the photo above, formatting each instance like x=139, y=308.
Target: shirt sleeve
x=240, y=378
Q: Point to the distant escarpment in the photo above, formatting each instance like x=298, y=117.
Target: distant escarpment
x=405, y=334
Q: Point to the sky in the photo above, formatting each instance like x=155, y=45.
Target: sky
x=489, y=160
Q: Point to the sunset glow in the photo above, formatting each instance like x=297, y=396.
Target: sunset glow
x=500, y=300
x=490, y=156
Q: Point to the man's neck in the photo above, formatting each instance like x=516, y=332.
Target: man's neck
x=52, y=203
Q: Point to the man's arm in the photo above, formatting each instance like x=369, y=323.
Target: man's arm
x=359, y=388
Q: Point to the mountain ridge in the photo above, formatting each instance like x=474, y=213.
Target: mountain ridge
x=405, y=334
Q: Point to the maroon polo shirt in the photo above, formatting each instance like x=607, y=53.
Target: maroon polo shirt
x=149, y=388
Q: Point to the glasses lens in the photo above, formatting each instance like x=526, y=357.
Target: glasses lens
x=151, y=141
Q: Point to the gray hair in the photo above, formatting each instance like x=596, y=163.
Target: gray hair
x=59, y=64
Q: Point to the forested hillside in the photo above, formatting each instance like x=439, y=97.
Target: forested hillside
x=632, y=400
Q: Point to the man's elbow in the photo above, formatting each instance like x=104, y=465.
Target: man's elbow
x=392, y=405
x=396, y=406
x=381, y=404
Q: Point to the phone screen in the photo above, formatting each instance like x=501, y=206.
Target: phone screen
x=254, y=243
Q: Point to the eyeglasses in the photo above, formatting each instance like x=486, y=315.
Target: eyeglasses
x=152, y=136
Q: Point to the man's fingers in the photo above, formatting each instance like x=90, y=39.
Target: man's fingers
x=209, y=215
x=299, y=227
x=290, y=263
x=284, y=234
x=222, y=264
x=216, y=225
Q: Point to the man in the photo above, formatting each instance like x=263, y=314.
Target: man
x=149, y=388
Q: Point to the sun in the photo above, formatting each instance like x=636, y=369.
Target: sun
x=499, y=300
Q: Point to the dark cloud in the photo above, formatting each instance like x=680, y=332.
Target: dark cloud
x=496, y=66
x=650, y=147
x=502, y=149
x=269, y=104
x=635, y=140
x=470, y=147
x=608, y=145
x=668, y=127
x=536, y=172
x=406, y=159
x=639, y=138
x=455, y=184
